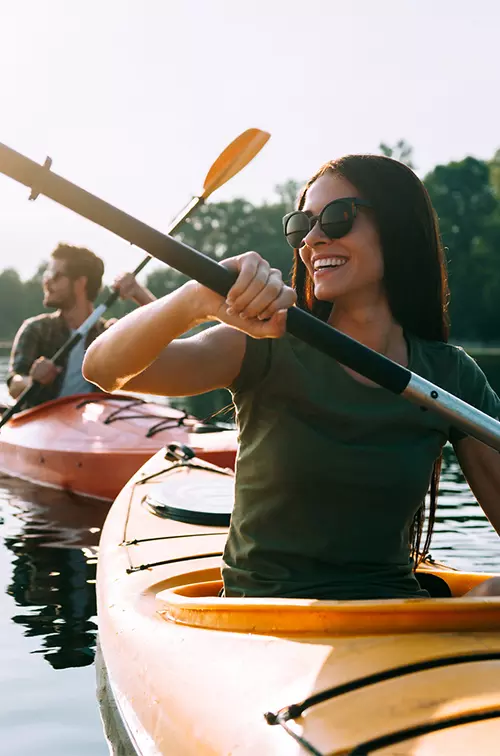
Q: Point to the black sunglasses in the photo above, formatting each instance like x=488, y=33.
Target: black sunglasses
x=335, y=220
x=53, y=277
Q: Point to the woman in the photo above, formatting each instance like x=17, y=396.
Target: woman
x=332, y=470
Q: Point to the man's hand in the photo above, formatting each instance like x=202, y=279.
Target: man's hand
x=129, y=288
x=44, y=371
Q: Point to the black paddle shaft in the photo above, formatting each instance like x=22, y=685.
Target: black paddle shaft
x=304, y=326
x=195, y=265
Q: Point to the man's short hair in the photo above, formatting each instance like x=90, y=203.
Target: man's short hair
x=80, y=261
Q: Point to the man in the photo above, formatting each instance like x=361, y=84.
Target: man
x=71, y=283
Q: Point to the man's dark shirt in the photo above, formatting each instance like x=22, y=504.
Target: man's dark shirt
x=42, y=336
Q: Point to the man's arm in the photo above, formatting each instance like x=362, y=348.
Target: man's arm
x=23, y=354
x=129, y=288
x=26, y=364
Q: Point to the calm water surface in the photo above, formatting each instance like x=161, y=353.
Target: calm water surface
x=48, y=553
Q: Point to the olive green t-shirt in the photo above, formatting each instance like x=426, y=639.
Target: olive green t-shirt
x=330, y=471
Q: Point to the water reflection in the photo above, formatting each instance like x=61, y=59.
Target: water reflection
x=463, y=537
x=53, y=539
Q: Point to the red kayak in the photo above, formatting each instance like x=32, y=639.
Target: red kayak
x=91, y=444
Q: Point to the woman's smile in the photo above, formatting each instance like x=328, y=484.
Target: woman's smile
x=322, y=265
x=349, y=265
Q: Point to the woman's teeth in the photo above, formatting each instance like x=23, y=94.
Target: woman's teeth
x=329, y=262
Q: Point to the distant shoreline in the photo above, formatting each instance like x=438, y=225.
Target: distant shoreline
x=481, y=349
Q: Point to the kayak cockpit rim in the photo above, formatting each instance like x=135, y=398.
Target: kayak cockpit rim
x=198, y=604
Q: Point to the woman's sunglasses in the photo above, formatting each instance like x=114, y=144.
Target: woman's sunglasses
x=335, y=220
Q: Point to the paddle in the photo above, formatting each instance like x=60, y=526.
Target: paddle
x=301, y=324
x=235, y=157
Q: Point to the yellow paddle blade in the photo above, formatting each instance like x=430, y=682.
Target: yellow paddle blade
x=235, y=157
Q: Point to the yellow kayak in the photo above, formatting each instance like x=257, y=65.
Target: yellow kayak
x=184, y=672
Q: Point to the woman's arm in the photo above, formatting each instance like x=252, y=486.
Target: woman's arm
x=143, y=352
x=209, y=360
x=481, y=466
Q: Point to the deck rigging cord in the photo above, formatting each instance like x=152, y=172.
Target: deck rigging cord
x=294, y=711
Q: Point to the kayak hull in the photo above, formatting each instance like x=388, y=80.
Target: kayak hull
x=192, y=673
x=92, y=444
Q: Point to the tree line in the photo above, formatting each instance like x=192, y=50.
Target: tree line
x=465, y=194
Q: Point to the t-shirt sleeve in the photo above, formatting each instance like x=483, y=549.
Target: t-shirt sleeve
x=255, y=366
x=473, y=388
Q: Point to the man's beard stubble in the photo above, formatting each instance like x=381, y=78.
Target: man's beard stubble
x=61, y=303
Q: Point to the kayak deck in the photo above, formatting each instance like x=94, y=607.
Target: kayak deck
x=193, y=673
x=91, y=444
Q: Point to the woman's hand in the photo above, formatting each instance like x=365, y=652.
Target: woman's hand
x=257, y=302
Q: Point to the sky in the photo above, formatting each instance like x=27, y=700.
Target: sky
x=134, y=101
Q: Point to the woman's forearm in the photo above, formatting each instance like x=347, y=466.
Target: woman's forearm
x=135, y=341
x=481, y=467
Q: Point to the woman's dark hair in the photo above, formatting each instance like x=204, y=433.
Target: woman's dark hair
x=415, y=275
x=80, y=261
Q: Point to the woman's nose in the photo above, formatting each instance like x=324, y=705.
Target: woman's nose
x=315, y=236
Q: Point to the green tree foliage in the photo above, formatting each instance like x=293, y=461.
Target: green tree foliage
x=495, y=173
x=11, y=288
x=288, y=194
x=401, y=151
x=469, y=218
x=18, y=300
x=225, y=229
x=466, y=195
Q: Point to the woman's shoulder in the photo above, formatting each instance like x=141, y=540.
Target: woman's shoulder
x=441, y=353
x=447, y=365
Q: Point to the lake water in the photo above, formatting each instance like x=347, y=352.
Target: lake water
x=48, y=553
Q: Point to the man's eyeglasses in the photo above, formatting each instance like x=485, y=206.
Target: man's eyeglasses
x=53, y=276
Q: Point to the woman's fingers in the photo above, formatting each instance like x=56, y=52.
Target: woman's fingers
x=258, y=301
x=272, y=328
x=258, y=289
x=273, y=297
x=287, y=298
x=253, y=274
x=263, y=296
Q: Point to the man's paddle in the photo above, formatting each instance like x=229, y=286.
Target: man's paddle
x=235, y=157
x=344, y=349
